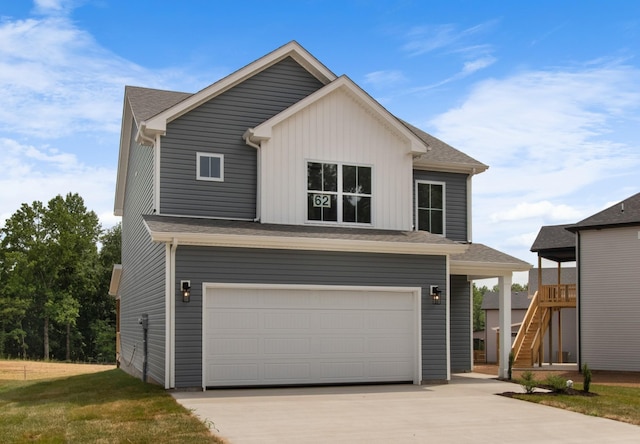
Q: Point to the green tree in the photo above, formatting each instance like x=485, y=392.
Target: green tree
x=51, y=256
x=478, y=312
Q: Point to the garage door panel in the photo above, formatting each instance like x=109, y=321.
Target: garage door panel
x=318, y=336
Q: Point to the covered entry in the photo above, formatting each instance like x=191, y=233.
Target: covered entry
x=257, y=335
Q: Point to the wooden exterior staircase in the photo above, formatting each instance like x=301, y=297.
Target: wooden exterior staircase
x=528, y=346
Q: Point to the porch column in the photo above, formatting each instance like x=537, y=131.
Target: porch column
x=504, y=296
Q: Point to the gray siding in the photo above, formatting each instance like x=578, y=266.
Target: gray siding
x=460, y=324
x=456, y=201
x=217, y=127
x=142, y=286
x=609, y=298
x=234, y=265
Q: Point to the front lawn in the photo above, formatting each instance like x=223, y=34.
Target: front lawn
x=108, y=406
x=613, y=402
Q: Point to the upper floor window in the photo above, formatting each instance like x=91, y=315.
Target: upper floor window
x=430, y=199
x=210, y=167
x=338, y=193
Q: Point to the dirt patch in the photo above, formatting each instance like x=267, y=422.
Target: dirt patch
x=603, y=377
x=29, y=370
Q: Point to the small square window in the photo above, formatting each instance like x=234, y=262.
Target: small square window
x=210, y=167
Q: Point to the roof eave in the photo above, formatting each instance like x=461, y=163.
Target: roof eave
x=304, y=243
x=451, y=167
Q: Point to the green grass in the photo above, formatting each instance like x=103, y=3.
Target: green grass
x=613, y=402
x=104, y=407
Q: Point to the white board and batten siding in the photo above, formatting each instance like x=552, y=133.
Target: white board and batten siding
x=335, y=128
x=610, y=298
x=282, y=335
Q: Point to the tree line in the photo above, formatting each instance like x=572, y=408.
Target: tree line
x=55, y=269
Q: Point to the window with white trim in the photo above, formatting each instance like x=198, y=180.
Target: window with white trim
x=338, y=193
x=210, y=167
x=430, y=206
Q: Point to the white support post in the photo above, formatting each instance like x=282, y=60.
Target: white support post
x=504, y=296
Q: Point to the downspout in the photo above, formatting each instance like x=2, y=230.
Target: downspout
x=469, y=208
x=247, y=139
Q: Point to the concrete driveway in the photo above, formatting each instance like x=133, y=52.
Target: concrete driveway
x=466, y=410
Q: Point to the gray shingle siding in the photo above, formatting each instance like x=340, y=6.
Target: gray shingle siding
x=460, y=324
x=456, y=201
x=235, y=265
x=142, y=287
x=217, y=127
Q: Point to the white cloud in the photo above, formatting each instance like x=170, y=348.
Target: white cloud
x=33, y=173
x=560, y=144
x=528, y=210
x=55, y=79
x=380, y=79
x=429, y=38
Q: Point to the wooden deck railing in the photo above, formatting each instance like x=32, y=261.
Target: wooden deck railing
x=563, y=295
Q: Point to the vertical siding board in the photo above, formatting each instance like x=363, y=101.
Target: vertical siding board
x=235, y=265
x=609, y=298
x=142, y=287
x=460, y=324
x=344, y=132
x=217, y=127
x=456, y=201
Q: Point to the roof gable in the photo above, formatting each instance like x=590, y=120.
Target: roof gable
x=158, y=122
x=343, y=83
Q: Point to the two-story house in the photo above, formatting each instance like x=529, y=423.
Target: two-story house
x=282, y=227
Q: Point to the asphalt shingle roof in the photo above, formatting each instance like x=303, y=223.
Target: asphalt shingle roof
x=626, y=212
x=482, y=253
x=519, y=300
x=172, y=224
x=147, y=102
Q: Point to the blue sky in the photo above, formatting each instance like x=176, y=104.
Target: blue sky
x=546, y=93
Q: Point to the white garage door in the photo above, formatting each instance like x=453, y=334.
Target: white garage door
x=300, y=335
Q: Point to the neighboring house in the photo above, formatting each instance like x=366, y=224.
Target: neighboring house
x=608, y=260
x=282, y=227
x=490, y=306
x=603, y=300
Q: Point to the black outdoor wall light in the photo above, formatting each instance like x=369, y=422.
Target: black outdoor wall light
x=435, y=295
x=186, y=290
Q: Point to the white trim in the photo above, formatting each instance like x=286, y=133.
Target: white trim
x=469, y=209
x=114, y=283
x=477, y=270
x=448, y=318
x=417, y=295
x=168, y=315
x=302, y=243
x=199, y=156
x=263, y=131
x=444, y=204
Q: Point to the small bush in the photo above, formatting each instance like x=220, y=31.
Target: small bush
x=556, y=383
x=586, y=374
x=528, y=381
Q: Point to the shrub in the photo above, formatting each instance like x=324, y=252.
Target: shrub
x=528, y=381
x=556, y=383
x=586, y=374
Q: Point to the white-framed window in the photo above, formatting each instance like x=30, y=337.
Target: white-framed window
x=339, y=192
x=210, y=167
x=430, y=207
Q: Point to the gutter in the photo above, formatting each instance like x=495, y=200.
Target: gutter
x=247, y=139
